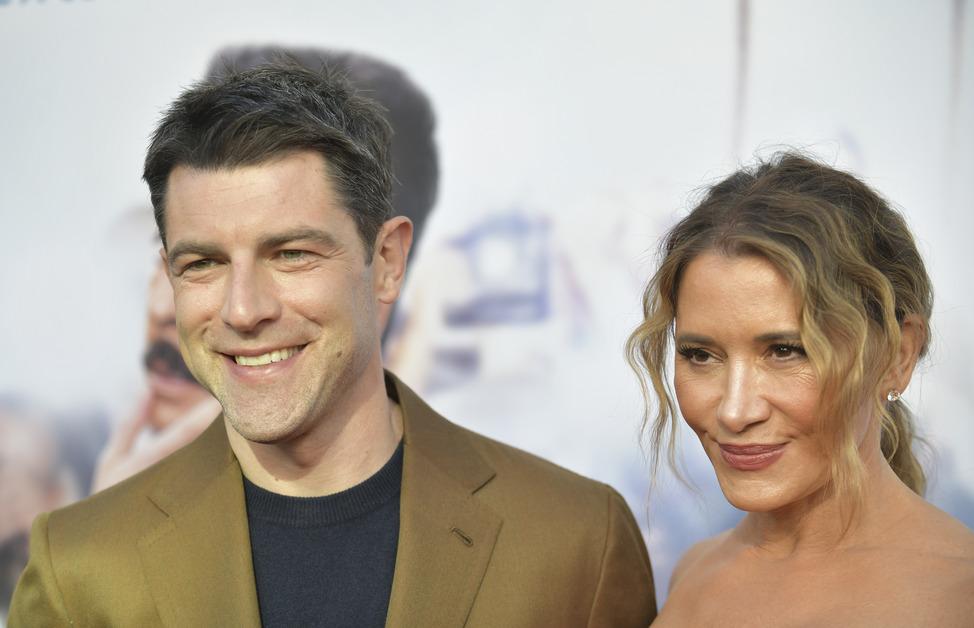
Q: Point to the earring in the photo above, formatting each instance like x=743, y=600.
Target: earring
x=893, y=395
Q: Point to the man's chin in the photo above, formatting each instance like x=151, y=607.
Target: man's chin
x=262, y=430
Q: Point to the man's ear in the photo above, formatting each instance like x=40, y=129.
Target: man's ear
x=391, y=251
x=913, y=337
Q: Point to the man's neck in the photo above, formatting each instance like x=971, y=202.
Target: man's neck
x=340, y=451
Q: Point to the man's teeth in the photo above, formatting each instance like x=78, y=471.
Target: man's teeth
x=267, y=358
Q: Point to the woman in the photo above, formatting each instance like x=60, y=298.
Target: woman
x=798, y=306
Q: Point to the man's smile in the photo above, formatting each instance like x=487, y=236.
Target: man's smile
x=267, y=357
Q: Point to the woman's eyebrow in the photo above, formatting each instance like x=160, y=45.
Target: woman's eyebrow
x=773, y=336
x=695, y=339
x=779, y=336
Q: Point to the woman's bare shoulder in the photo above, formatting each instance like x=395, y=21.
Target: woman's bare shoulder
x=935, y=532
x=932, y=560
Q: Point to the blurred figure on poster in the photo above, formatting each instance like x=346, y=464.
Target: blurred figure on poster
x=44, y=463
x=176, y=409
x=798, y=307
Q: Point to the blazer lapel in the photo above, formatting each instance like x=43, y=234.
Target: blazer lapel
x=197, y=560
x=446, y=536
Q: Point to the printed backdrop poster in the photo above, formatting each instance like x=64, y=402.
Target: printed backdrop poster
x=569, y=137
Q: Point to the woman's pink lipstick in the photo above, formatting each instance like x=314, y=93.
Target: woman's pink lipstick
x=751, y=457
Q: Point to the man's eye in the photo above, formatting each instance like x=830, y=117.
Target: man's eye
x=197, y=265
x=293, y=255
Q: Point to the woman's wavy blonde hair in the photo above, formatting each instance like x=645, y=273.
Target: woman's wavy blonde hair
x=856, y=272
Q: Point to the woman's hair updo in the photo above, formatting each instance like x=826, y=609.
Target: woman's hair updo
x=856, y=273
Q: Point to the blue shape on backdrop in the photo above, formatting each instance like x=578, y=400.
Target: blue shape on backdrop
x=508, y=258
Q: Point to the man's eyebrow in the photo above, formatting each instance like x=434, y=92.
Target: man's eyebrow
x=192, y=247
x=299, y=234
x=204, y=249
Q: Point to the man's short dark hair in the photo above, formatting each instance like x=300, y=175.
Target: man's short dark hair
x=407, y=108
x=251, y=117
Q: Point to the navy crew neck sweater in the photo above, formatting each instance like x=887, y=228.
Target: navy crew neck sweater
x=326, y=561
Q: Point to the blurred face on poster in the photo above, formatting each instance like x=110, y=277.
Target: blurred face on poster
x=173, y=391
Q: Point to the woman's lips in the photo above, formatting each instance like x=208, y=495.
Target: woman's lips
x=751, y=457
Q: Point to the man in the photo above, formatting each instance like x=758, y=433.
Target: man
x=175, y=408
x=328, y=493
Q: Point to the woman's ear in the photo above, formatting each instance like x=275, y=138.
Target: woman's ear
x=913, y=337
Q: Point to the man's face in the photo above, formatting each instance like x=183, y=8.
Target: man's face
x=276, y=309
x=173, y=391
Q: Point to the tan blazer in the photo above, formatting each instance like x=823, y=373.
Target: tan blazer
x=489, y=537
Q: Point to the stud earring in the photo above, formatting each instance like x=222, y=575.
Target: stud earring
x=893, y=395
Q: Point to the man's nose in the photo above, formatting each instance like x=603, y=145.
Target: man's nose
x=743, y=403
x=251, y=299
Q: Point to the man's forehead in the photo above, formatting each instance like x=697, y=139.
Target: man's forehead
x=265, y=205
x=310, y=158
x=299, y=177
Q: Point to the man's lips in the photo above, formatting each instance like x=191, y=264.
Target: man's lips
x=751, y=457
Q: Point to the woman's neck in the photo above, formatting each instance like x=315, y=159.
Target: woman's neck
x=823, y=523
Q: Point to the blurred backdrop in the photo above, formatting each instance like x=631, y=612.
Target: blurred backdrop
x=568, y=136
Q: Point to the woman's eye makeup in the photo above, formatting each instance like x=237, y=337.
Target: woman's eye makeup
x=781, y=351
x=693, y=354
x=785, y=350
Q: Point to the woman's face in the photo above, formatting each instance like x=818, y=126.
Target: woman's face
x=744, y=383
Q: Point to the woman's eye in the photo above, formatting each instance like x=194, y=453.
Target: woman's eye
x=785, y=352
x=695, y=355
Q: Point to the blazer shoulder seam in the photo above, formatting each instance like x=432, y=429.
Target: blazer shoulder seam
x=605, y=549
x=55, y=579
